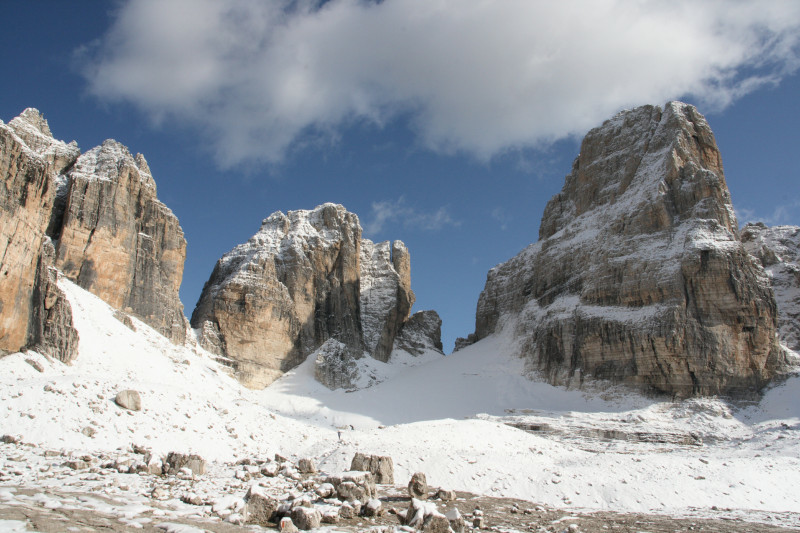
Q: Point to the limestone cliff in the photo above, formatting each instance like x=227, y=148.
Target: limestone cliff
x=305, y=278
x=778, y=251
x=93, y=216
x=639, y=275
x=30, y=162
x=117, y=240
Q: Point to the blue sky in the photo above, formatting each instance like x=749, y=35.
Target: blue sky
x=446, y=124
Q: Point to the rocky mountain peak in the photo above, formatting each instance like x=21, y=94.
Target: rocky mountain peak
x=112, y=161
x=305, y=277
x=34, y=134
x=639, y=275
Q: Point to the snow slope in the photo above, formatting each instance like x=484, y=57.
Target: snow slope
x=452, y=418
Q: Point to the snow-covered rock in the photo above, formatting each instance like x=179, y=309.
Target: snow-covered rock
x=639, y=275
x=306, y=278
x=778, y=250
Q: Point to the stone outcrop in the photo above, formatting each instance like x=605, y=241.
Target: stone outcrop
x=51, y=331
x=118, y=241
x=420, y=333
x=30, y=162
x=307, y=278
x=778, y=251
x=639, y=275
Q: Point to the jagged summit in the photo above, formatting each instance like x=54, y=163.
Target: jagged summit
x=93, y=217
x=305, y=277
x=639, y=275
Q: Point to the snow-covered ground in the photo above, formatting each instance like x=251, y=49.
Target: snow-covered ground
x=470, y=421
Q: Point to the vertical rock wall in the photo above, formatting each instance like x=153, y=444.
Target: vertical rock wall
x=109, y=233
x=639, y=275
x=30, y=161
x=117, y=240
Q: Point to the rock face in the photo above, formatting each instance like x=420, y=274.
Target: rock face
x=422, y=332
x=307, y=278
x=96, y=218
x=30, y=161
x=778, y=251
x=639, y=275
x=117, y=240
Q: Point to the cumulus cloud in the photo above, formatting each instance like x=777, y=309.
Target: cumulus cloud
x=263, y=78
x=398, y=212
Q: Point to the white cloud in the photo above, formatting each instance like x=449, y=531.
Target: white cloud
x=261, y=78
x=502, y=216
x=787, y=213
x=397, y=212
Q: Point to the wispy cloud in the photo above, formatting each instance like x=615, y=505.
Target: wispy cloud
x=788, y=213
x=399, y=213
x=262, y=78
x=502, y=216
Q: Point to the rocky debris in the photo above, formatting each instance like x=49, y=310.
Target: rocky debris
x=353, y=486
x=306, y=466
x=118, y=241
x=306, y=278
x=129, y=399
x=374, y=507
x=778, y=251
x=380, y=466
x=639, y=275
x=336, y=365
x=418, y=486
x=306, y=518
x=287, y=526
x=175, y=462
x=421, y=333
x=446, y=495
x=457, y=523
x=422, y=515
x=31, y=161
x=260, y=507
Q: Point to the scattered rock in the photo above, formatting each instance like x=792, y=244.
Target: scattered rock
x=381, y=467
x=306, y=518
x=176, y=461
x=287, y=526
x=35, y=364
x=160, y=493
x=77, y=464
x=446, y=495
x=129, y=399
x=457, y=523
x=373, y=508
x=436, y=523
x=260, y=508
x=89, y=431
x=306, y=466
x=418, y=486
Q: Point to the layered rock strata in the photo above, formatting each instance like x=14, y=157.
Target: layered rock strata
x=778, y=251
x=307, y=278
x=96, y=218
x=30, y=161
x=118, y=241
x=639, y=275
